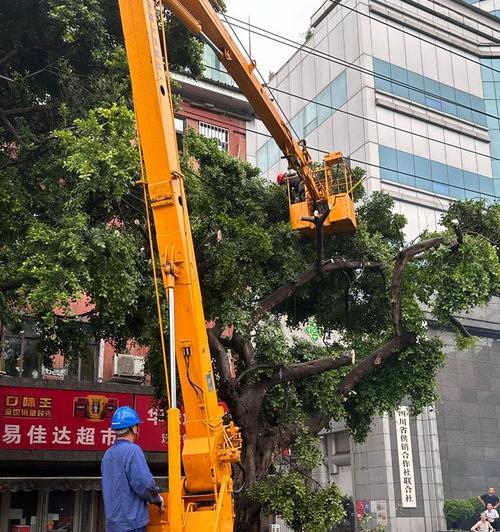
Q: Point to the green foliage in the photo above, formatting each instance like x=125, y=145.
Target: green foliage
x=74, y=223
x=73, y=217
x=386, y=387
x=303, y=507
x=307, y=450
x=456, y=511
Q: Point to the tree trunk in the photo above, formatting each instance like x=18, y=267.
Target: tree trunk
x=257, y=459
x=248, y=518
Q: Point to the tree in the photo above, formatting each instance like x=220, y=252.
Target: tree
x=74, y=224
x=59, y=62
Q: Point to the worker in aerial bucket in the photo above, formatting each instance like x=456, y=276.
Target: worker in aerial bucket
x=127, y=483
x=297, y=188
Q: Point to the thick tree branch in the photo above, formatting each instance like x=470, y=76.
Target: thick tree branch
x=10, y=127
x=404, y=256
x=287, y=290
x=242, y=347
x=220, y=355
x=200, y=251
x=303, y=370
x=401, y=339
x=378, y=357
x=24, y=110
x=460, y=326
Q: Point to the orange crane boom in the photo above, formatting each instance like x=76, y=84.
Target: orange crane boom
x=201, y=498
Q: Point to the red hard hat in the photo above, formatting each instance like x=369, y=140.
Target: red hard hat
x=280, y=178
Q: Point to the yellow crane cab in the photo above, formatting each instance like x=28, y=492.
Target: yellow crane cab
x=333, y=184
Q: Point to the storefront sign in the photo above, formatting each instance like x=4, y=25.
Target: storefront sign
x=405, y=455
x=51, y=419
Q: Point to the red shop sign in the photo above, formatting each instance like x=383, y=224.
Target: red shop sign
x=46, y=419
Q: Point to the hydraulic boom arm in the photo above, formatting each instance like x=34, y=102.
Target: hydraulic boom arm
x=200, y=18
x=201, y=500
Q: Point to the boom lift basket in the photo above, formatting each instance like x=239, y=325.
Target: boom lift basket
x=334, y=186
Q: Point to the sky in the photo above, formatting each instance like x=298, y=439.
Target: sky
x=290, y=18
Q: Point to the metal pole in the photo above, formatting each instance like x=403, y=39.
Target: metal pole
x=171, y=332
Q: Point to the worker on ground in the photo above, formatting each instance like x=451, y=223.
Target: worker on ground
x=127, y=483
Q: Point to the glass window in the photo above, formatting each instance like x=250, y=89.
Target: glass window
x=455, y=176
x=422, y=167
x=489, y=90
x=464, y=107
x=471, y=180
x=496, y=183
x=273, y=152
x=324, y=107
x=390, y=175
x=310, y=118
x=400, y=81
x=491, y=107
x=339, y=91
x=21, y=355
x=405, y=162
x=382, y=80
x=388, y=157
x=220, y=134
x=486, y=185
x=477, y=103
x=486, y=70
x=23, y=509
x=417, y=81
x=424, y=184
x=458, y=193
x=298, y=124
x=60, y=510
x=495, y=143
x=432, y=94
x=440, y=188
x=439, y=172
x=449, y=97
x=262, y=158
x=495, y=169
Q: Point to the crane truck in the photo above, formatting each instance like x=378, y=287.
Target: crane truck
x=200, y=485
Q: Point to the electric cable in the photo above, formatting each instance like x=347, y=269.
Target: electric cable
x=462, y=56
x=360, y=161
x=280, y=39
x=261, y=76
x=377, y=122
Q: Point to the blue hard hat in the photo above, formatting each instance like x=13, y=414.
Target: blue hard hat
x=124, y=418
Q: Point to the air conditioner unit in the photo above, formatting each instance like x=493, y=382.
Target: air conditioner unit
x=128, y=366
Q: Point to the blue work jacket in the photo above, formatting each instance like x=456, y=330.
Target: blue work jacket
x=127, y=487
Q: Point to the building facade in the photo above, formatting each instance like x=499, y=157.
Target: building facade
x=408, y=90
x=213, y=107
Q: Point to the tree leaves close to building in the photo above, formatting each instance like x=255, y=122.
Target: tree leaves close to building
x=73, y=224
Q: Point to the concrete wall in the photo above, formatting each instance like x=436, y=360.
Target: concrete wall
x=467, y=418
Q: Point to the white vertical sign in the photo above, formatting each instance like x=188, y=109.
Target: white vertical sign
x=405, y=455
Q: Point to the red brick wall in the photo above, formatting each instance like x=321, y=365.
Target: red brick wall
x=237, y=128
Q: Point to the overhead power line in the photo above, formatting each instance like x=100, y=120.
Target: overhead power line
x=325, y=152
x=406, y=32
x=371, y=120
x=281, y=39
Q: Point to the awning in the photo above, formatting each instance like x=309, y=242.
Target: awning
x=60, y=483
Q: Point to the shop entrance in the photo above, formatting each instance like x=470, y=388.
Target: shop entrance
x=46, y=510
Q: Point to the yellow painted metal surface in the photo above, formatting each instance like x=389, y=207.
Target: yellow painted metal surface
x=207, y=469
